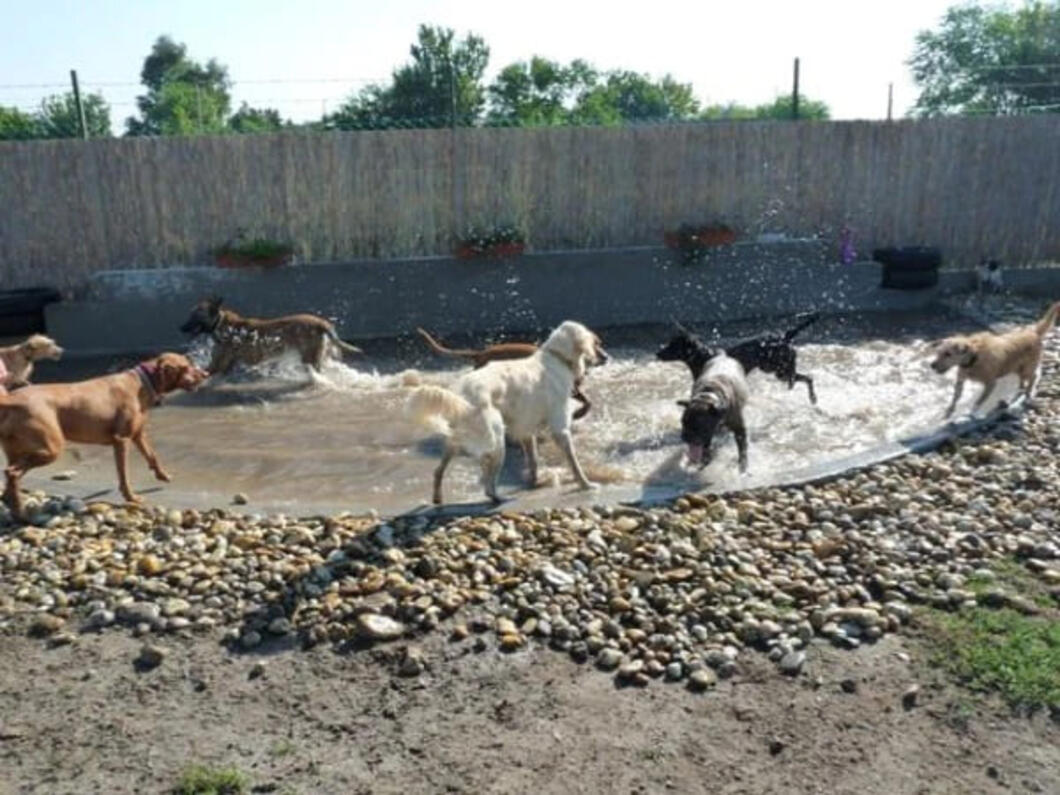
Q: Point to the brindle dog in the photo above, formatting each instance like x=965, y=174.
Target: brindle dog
x=249, y=341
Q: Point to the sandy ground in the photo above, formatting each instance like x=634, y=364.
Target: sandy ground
x=82, y=719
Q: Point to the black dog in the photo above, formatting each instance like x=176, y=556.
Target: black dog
x=771, y=353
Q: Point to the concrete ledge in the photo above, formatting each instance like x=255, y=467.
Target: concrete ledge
x=141, y=310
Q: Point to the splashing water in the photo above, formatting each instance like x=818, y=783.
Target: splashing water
x=339, y=439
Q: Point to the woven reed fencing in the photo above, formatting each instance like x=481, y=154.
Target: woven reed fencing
x=973, y=186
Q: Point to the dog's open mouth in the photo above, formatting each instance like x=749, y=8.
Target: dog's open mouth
x=695, y=454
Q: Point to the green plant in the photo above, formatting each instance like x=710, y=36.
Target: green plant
x=205, y=780
x=500, y=240
x=258, y=248
x=693, y=241
x=1003, y=651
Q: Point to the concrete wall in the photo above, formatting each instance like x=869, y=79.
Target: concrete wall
x=141, y=310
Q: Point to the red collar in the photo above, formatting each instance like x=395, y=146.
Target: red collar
x=147, y=371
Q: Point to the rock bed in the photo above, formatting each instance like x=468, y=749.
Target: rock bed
x=676, y=592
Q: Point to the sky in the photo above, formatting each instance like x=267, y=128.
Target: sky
x=304, y=57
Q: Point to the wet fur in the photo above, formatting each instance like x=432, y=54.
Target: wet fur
x=771, y=352
x=250, y=341
x=518, y=398
x=718, y=398
x=37, y=421
x=502, y=351
x=987, y=357
x=18, y=359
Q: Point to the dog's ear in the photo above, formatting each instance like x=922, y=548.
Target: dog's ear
x=215, y=302
x=683, y=404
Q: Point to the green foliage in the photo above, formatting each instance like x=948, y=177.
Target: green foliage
x=57, y=117
x=203, y=780
x=779, y=109
x=441, y=85
x=481, y=241
x=538, y=92
x=257, y=248
x=1003, y=651
x=627, y=96
x=16, y=125
x=255, y=120
x=183, y=97
x=990, y=60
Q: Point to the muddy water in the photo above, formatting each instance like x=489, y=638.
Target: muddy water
x=340, y=442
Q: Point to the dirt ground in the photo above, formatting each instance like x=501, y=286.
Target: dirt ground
x=82, y=719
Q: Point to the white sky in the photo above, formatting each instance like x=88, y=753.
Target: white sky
x=322, y=50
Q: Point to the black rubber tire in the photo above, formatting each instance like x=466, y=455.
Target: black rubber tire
x=911, y=268
x=22, y=311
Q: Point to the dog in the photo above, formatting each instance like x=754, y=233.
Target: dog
x=718, y=398
x=249, y=341
x=37, y=420
x=987, y=357
x=17, y=360
x=499, y=352
x=771, y=353
x=988, y=278
x=517, y=397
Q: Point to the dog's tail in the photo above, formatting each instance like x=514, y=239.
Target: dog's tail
x=436, y=408
x=1047, y=321
x=805, y=319
x=437, y=347
x=342, y=345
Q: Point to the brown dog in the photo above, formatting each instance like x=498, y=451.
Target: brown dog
x=501, y=352
x=250, y=341
x=17, y=360
x=35, y=422
x=987, y=357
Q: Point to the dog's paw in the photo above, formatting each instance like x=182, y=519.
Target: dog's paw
x=162, y=475
x=590, y=486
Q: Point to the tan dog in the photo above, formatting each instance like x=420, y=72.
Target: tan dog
x=35, y=422
x=987, y=357
x=18, y=359
x=503, y=351
x=250, y=341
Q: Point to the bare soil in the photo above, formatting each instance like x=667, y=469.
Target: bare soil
x=82, y=719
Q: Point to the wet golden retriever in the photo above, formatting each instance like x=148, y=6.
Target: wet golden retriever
x=987, y=357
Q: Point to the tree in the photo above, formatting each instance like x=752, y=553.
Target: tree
x=183, y=97
x=627, y=96
x=539, y=92
x=58, y=118
x=990, y=60
x=779, y=109
x=255, y=120
x=442, y=85
x=16, y=125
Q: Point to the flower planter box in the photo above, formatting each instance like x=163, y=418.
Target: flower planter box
x=239, y=261
x=496, y=251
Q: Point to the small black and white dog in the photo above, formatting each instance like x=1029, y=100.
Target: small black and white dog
x=988, y=277
x=718, y=398
x=771, y=352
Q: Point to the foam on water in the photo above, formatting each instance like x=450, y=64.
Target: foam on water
x=341, y=438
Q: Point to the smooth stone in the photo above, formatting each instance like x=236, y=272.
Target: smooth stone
x=702, y=679
x=373, y=626
x=792, y=662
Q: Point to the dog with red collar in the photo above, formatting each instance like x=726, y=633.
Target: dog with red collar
x=37, y=420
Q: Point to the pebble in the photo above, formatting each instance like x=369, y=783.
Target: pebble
x=608, y=659
x=240, y=499
x=672, y=591
x=792, y=662
x=150, y=656
x=702, y=679
x=376, y=627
